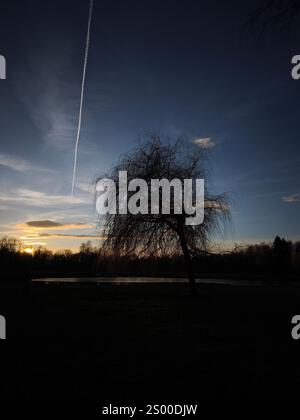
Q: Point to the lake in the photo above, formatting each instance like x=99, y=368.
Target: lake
x=144, y=280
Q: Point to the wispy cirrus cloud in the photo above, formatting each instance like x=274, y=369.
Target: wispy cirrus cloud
x=50, y=98
x=292, y=198
x=59, y=235
x=19, y=164
x=205, y=143
x=14, y=163
x=40, y=199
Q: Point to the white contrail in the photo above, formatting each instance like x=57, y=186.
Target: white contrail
x=87, y=44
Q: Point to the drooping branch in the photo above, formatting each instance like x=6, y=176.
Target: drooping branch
x=273, y=15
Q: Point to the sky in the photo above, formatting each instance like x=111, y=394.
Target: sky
x=174, y=68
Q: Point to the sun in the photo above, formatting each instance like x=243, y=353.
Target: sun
x=28, y=250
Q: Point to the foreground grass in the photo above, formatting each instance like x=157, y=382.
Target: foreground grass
x=149, y=342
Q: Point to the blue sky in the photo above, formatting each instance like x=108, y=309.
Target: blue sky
x=175, y=69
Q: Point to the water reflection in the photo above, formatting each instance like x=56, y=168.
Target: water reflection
x=141, y=280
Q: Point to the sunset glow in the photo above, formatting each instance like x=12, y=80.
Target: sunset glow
x=28, y=250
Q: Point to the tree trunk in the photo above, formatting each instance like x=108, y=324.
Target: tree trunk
x=187, y=259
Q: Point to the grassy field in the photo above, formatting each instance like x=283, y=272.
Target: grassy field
x=149, y=342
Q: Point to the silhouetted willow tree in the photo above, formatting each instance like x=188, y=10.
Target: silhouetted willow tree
x=163, y=234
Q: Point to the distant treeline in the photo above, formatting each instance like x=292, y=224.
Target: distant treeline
x=280, y=259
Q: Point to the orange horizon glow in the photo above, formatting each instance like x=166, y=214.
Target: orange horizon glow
x=28, y=250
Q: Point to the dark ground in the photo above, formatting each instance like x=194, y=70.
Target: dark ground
x=149, y=343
